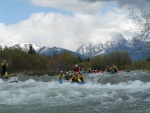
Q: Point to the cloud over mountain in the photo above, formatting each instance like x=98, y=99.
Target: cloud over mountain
x=68, y=24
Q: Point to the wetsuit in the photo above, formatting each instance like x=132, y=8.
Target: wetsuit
x=4, y=67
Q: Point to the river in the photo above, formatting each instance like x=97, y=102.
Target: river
x=126, y=92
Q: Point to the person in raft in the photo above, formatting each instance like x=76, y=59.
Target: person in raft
x=61, y=76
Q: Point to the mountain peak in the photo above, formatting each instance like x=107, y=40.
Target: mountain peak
x=26, y=46
x=117, y=37
x=121, y=44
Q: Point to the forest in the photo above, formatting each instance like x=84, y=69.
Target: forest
x=31, y=63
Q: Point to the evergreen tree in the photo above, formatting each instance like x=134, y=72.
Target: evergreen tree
x=31, y=50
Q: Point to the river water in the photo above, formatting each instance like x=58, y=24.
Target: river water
x=126, y=92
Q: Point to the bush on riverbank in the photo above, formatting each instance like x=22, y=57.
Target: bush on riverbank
x=35, y=64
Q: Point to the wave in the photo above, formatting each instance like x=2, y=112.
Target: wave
x=93, y=95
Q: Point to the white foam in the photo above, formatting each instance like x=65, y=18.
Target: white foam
x=52, y=93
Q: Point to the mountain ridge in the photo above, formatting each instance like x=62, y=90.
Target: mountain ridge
x=90, y=50
x=45, y=51
x=123, y=44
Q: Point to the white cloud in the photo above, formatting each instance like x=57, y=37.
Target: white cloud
x=75, y=6
x=88, y=6
x=65, y=31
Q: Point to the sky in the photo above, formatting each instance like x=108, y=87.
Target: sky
x=66, y=23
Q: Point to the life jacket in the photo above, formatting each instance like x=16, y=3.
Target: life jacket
x=80, y=78
x=61, y=76
x=76, y=69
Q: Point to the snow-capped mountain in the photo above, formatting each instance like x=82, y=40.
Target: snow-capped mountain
x=26, y=46
x=46, y=51
x=90, y=50
x=123, y=44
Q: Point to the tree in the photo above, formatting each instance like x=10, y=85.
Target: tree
x=31, y=50
x=142, y=23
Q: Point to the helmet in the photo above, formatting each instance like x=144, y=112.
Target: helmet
x=76, y=65
x=67, y=72
x=4, y=60
x=61, y=71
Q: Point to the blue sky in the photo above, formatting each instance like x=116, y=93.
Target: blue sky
x=63, y=23
x=12, y=11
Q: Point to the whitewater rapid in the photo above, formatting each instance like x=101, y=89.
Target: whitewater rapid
x=126, y=92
